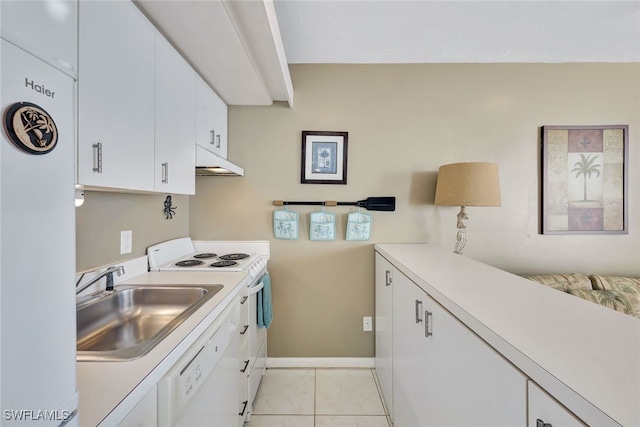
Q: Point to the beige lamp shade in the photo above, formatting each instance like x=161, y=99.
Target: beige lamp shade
x=468, y=184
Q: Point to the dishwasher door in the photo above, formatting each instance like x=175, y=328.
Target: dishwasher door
x=196, y=391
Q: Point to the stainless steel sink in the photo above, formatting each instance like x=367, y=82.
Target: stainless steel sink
x=130, y=322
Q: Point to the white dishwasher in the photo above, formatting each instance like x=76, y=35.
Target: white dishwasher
x=196, y=391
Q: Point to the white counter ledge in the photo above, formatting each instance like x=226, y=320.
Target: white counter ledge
x=585, y=355
x=102, y=386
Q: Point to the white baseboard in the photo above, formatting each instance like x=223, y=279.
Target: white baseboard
x=321, y=362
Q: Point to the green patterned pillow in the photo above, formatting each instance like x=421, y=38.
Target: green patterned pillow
x=625, y=284
x=563, y=282
x=625, y=302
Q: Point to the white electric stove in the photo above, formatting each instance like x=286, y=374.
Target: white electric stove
x=186, y=255
x=183, y=254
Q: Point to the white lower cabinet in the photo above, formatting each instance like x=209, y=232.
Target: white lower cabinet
x=145, y=413
x=443, y=374
x=434, y=371
x=257, y=344
x=218, y=395
x=469, y=348
x=384, y=332
x=545, y=411
x=243, y=337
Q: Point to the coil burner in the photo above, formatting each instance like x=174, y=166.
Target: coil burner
x=205, y=255
x=233, y=257
x=189, y=263
x=213, y=256
x=224, y=263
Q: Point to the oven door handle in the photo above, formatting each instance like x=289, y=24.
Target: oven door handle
x=255, y=289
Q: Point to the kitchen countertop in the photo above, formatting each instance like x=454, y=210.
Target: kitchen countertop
x=102, y=386
x=585, y=355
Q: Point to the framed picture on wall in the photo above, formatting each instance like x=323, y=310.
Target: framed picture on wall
x=584, y=179
x=324, y=157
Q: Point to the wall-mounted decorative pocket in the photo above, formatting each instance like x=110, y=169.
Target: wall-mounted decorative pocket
x=358, y=226
x=285, y=224
x=322, y=226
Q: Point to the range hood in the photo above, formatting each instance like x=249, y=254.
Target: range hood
x=209, y=164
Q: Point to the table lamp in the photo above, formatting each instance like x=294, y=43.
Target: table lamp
x=467, y=184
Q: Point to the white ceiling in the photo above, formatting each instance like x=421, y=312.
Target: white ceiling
x=229, y=43
x=453, y=31
x=242, y=47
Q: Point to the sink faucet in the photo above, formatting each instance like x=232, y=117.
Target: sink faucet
x=119, y=270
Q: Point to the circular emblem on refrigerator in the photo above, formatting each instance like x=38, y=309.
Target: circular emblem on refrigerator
x=30, y=128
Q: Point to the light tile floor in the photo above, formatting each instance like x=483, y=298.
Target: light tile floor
x=318, y=398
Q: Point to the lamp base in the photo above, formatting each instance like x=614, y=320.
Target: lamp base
x=461, y=236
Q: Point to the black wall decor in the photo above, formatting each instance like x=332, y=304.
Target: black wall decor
x=169, y=210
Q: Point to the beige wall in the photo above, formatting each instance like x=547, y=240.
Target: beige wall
x=103, y=215
x=404, y=121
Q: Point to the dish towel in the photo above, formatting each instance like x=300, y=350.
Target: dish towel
x=265, y=311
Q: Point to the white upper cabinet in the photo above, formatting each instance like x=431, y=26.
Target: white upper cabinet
x=116, y=90
x=47, y=29
x=174, y=121
x=211, y=119
x=221, y=115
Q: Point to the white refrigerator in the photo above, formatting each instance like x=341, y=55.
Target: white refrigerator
x=37, y=255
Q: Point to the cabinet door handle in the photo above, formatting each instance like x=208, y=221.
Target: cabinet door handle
x=244, y=408
x=428, y=327
x=165, y=172
x=418, y=311
x=246, y=365
x=244, y=331
x=244, y=299
x=540, y=423
x=97, y=157
x=387, y=277
x=218, y=141
x=212, y=136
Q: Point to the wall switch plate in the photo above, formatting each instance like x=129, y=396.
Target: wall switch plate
x=367, y=325
x=126, y=242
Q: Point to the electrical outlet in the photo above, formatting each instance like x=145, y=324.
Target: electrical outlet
x=126, y=242
x=367, y=324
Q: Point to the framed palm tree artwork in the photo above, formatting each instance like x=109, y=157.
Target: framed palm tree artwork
x=584, y=179
x=324, y=157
